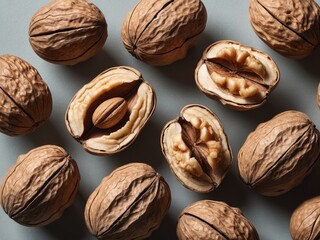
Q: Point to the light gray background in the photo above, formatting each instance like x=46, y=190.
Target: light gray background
x=175, y=88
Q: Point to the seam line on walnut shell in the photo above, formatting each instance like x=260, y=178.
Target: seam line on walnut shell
x=114, y=224
x=18, y=105
x=286, y=26
x=82, y=54
x=274, y=165
x=153, y=18
x=212, y=226
x=52, y=176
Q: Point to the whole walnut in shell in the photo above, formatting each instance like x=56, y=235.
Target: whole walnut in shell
x=291, y=28
x=40, y=186
x=128, y=204
x=25, y=99
x=160, y=32
x=304, y=222
x=67, y=31
x=207, y=219
x=279, y=153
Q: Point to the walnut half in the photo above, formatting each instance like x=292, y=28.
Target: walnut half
x=197, y=148
x=238, y=76
x=107, y=114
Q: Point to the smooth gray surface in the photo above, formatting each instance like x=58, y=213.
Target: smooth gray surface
x=175, y=88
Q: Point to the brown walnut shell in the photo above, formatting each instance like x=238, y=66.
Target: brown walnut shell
x=124, y=82
x=279, y=153
x=292, y=28
x=238, y=76
x=25, y=99
x=304, y=222
x=196, y=148
x=207, y=219
x=40, y=186
x=67, y=31
x=160, y=32
x=128, y=204
x=318, y=95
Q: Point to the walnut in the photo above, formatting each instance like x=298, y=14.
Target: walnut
x=196, y=148
x=304, y=222
x=239, y=77
x=291, y=28
x=279, y=153
x=67, y=31
x=207, y=219
x=108, y=113
x=128, y=204
x=161, y=32
x=40, y=186
x=25, y=99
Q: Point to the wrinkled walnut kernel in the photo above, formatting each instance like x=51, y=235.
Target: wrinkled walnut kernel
x=196, y=148
x=238, y=76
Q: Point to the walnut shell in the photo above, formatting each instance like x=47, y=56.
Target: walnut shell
x=304, y=222
x=239, y=77
x=196, y=148
x=318, y=95
x=279, y=153
x=128, y=204
x=40, y=186
x=207, y=219
x=160, y=32
x=292, y=28
x=124, y=82
x=25, y=99
x=67, y=31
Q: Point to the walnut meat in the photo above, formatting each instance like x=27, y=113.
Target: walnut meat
x=160, y=32
x=67, y=31
x=40, y=186
x=128, y=204
x=25, y=99
x=279, y=153
x=207, y=219
x=196, y=148
x=291, y=28
x=107, y=114
x=304, y=222
x=239, y=77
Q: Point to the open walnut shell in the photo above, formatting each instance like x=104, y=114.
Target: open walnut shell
x=196, y=148
x=238, y=76
x=107, y=114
